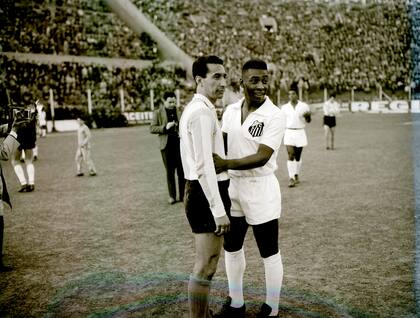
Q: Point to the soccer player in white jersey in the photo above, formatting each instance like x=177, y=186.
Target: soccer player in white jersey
x=331, y=109
x=83, y=152
x=297, y=114
x=254, y=129
x=207, y=202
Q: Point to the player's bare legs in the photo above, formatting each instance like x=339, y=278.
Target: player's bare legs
x=327, y=136
x=293, y=164
x=207, y=250
x=88, y=160
x=30, y=169
x=17, y=166
x=79, y=159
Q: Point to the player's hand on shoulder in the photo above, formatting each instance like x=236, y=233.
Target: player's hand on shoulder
x=219, y=164
x=222, y=225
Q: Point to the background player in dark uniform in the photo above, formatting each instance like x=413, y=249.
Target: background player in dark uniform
x=28, y=134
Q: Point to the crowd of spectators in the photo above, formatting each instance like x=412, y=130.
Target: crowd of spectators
x=70, y=83
x=323, y=43
x=415, y=46
x=68, y=28
x=329, y=44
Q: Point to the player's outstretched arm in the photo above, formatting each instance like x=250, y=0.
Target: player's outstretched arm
x=256, y=160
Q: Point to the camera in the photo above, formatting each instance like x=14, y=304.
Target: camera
x=24, y=112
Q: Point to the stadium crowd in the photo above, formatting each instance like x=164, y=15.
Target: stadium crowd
x=415, y=46
x=71, y=81
x=335, y=45
x=69, y=28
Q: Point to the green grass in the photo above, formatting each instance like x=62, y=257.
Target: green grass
x=111, y=246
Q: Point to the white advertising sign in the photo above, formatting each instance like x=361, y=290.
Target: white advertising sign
x=379, y=107
x=415, y=106
x=360, y=106
x=139, y=117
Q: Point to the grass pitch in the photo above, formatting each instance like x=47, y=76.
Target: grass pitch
x=111, y=246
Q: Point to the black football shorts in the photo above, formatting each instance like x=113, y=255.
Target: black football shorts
x=197, y=208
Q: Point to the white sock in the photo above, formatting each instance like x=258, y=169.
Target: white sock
x=298, y=165
x=291, y=168
x=30, y=169
x=19, y=173
x=235, y=268
x=35, y=151
x=273, y=280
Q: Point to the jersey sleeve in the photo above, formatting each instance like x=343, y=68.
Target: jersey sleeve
x=202, y=128
x=273, y=134
x=226, y=119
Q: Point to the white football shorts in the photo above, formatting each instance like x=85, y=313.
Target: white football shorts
x=256, y=198
x=295, y=137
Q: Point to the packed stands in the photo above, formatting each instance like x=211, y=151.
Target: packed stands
x=415, y=46
x=328, y=44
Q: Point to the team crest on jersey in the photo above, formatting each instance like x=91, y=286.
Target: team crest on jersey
x=256, y=129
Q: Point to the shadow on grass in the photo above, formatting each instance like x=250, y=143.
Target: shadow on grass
x=116, y=294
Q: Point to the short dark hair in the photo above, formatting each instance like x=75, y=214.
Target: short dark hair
x=255, y=64
x=294, y=87
x=333, y=94
x=199, y=67
x=166, y=95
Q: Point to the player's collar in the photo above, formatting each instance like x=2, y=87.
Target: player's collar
x=204, y=99
x=238, y=104
x=266, y=108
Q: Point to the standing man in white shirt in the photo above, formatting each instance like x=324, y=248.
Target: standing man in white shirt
x=83, y=152
x=331, y=109
x=207, y=202
x=254, y=129
x=297, y=114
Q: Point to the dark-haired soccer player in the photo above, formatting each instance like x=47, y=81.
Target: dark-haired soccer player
x=254, y=129
x=331, y=109
x=207, y=202
x=297, y=114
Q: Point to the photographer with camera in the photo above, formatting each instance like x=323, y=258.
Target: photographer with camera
x=165, y=125
x=8, y=147
x=27, y=146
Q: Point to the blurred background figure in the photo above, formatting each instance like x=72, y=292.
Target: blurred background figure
x=331, y=109
x=25, y=151
x=42, y=120
x=165, y=125
x=83, y=153
x=13, y=137
x=297, y=115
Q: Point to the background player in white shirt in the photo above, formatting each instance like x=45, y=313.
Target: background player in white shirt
x=206, y=199
x=83, y=152
x=297, y=114
x=254, y=128
x=331, y=109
